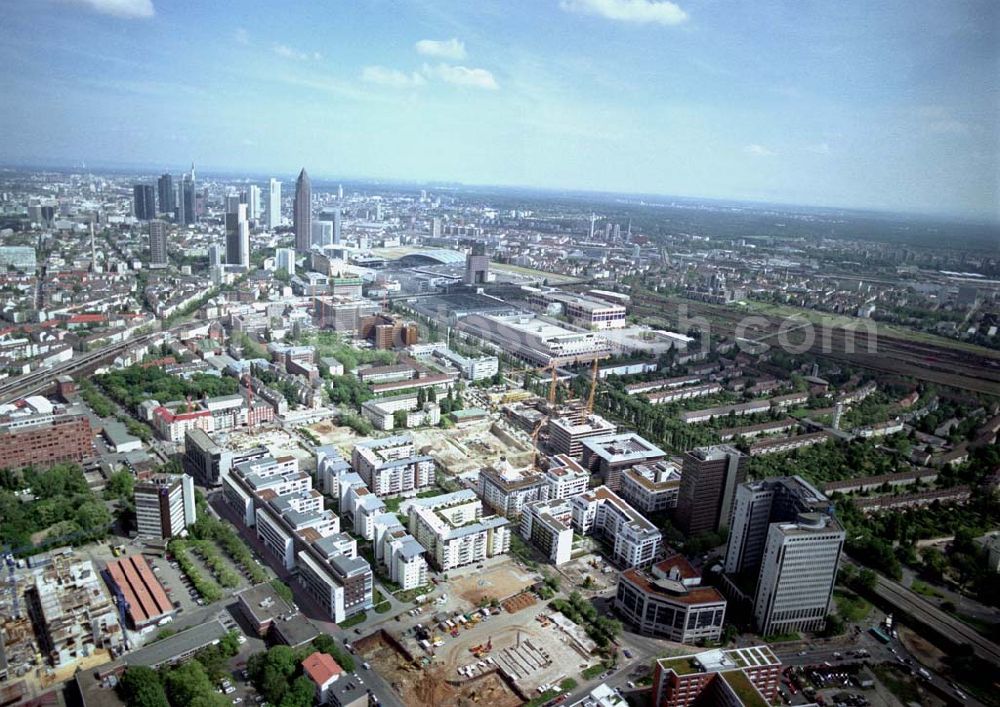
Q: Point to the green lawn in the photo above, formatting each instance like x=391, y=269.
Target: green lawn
x=851, y=607
x=782, y=638
x=924, y=589
x=353, y=620
x=409, y=595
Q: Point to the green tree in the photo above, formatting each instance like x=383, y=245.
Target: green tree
x=121, y=485
x=399, y=419
x=140, y=687
x=270, y=672
x=935, y=563
x=301, y=693
x=326, y=644
x=188, y=684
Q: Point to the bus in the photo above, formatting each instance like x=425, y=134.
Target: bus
x=879, y=634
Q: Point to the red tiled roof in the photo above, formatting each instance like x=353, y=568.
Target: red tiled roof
x=321, y=668
x=145, y=595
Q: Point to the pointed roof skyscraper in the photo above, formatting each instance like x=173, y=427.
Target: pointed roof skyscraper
x=302, y=213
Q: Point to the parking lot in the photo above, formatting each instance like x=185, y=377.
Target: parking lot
x=177, y=585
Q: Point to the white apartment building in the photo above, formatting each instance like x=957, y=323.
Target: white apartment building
x=635, y=542
x=651, y=488
x=506, y=490
x=330, y=466
x=401, y=554
x=275, y=537
x=274, y=497
x=364, y=506
x=473, y=369
x=565, y=477
x=389, y=467
x=548, y=525
x=454, y=531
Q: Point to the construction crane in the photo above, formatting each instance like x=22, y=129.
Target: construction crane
x=593, y=388
x=534, y=440
x=249, y=387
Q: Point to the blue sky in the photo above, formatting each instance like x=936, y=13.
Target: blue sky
x=887, y=105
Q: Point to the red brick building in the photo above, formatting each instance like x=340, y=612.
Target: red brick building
x=741, y=676
x=39, y=434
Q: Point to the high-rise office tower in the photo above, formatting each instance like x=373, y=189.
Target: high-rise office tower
x=436, y=227
x=284, y=260
x=797, y=574
x=477, y=265
x=164, y=505
x=187, y=202
x=757, y=505
x=302, y=213
x=238, y=237
x=322, y=233
x=215, y=255
x=251, y=197
x=232, y=203
x=709, y=477
x=273, y=204
x=167, y=198
x=340, y=191
x=157, y=244
x=784, y=535
x=331, y=216
x=144, y=202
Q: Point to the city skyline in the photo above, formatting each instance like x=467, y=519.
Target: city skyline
x=892, y=109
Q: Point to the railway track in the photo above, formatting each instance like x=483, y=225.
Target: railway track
x=977, y=371
x=39, y=380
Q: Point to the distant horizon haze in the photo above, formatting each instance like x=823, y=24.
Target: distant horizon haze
x=893, y=106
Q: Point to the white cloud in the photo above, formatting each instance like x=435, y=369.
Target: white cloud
x=287, y=52
x=757, y=150
x=948, y=126
x=462, y=76
x=391, y=77
x=242, y=36
x=661, y=12
x=445, y=48
x=820, y=148
x=127, y=9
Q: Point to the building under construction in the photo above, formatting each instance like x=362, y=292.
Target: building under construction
x=72, y=612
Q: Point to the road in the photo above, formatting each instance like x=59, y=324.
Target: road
x=924, y=612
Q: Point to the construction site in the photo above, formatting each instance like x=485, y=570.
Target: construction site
x=56, y=617
x=504, y=654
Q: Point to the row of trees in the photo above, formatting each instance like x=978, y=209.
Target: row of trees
x=208, y=528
